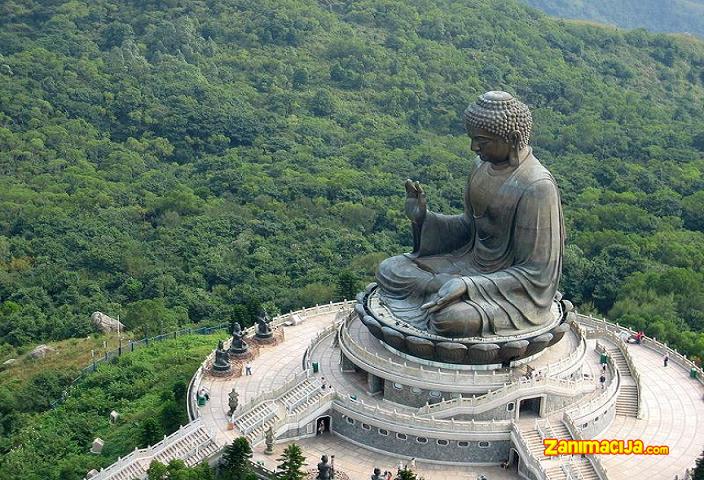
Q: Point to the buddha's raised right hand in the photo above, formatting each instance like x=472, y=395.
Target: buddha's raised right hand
x=416, y=205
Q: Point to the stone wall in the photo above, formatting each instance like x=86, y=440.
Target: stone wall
x=413, y=396
x=490, y=452
x=592, y=428
x=418, y=397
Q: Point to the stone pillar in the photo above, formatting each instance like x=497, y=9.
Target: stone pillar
x=374, y=384
x=346, y=364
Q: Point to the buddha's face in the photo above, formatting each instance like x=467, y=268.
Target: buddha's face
x=489, y=146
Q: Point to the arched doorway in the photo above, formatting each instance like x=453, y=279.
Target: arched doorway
x=322, y=425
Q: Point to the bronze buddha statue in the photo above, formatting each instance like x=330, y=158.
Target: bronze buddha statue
x=492, y=270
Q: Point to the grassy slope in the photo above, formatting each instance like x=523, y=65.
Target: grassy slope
x=55, y=444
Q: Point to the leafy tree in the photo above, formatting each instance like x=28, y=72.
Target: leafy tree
x=347, y=285
x=157, y=471
x=698, y=473
x=291, y=464
x=235, y=460
x=152, y=432
x=180, y=390
x=406, y=474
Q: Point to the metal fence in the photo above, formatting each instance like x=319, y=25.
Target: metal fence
x=131, y=346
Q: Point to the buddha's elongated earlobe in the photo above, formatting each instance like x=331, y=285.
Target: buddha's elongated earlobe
x=515, y=140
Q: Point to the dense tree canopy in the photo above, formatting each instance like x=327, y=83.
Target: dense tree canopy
x=185, y=161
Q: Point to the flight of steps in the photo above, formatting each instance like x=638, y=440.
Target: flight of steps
x=255, y=422
x=301, y=396
x=192, y=444
x=554, y=470
x=130, y=472
x=620, y=361
x=584, y=469
x=559, y=431
x=192, y=449
x=535, y=443
x=627, y=400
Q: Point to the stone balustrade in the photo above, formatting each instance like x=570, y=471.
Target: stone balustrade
x=423, y=376
x=521, y=388
x=599, y=331
x=414, y=424
x=605, y=401
x=577, y=435
x=525, y=454
x=140, y=459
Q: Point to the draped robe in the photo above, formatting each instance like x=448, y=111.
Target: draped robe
x=506, y=247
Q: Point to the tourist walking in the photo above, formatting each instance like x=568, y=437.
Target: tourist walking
x=248, y=369
x=602, y=380
x=665, y=359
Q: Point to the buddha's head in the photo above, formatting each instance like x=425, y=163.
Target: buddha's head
x=499, y=126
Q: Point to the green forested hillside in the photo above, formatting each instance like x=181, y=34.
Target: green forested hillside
x=183, y=161
x=685, y=16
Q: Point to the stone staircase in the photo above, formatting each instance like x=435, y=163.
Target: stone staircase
x=535, y=443
x=627, y=400
x=192, y=449
x=255, y=422
x=258, y=419
x=620, y=361
x=299, y=397
x=192, y=443
x=556, y=468
x=559, y=431
x=584, y=469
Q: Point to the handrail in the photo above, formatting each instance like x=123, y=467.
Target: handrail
x=649, y=342
x=153, y=450
x=576, y=434
x=375, y=412
x=425, y=374
x=592, y=409
x=421, y=373
x=564, y=386
x=630, y=363
x=526, y=454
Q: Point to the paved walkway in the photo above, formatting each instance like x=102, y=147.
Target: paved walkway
x=359, y=462
x=673, y=415
x=269, y=370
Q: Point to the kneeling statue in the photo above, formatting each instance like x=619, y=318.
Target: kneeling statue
x=494, y=269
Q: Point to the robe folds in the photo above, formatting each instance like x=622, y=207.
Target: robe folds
x=506, y=247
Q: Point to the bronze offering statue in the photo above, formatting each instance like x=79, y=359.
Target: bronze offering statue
x=324, y=469
x=238, y=347
x=263, y=329
x=490, y=272
x=222, y=360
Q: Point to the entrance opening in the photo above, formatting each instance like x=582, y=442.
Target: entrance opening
x=513, y=459
x=529, y=407
x=322, y=425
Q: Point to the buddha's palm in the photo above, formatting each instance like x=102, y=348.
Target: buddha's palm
x=416, y=205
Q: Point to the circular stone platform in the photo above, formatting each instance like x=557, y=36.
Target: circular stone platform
x=495, y=350
x=375, y=423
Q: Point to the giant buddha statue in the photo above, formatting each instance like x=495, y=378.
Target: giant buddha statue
x=492, y=271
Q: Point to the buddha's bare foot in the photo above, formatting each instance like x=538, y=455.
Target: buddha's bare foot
x=457, y=320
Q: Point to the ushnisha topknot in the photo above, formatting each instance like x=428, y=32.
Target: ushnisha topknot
x=500, y=113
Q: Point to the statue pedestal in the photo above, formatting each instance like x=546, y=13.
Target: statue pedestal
x=468, y=353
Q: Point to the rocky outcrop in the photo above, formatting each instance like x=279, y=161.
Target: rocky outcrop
x=41, y=351
x=105, y=324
